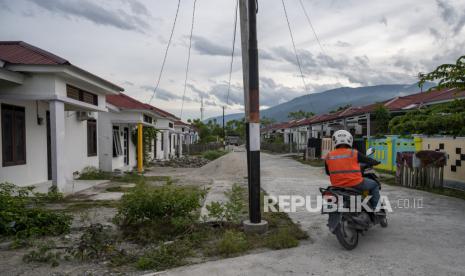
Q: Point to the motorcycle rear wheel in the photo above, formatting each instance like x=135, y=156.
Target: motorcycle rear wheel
x=347, y=236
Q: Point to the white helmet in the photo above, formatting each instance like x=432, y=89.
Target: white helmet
x=342, y=137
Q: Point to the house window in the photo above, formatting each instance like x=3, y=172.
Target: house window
x=170, y=125
x=91, y=138
x=148, y=119
x=117, y=148
x=13, y=135
x=81, y=95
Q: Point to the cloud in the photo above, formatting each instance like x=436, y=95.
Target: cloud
x=163, y=94
x=384, y=21
x=97, y=14
x=207, y=47
x=342, y=44
x=451, y=16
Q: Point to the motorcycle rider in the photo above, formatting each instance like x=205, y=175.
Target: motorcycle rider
x=343, y=166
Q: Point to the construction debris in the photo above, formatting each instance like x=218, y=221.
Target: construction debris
x=183, y=162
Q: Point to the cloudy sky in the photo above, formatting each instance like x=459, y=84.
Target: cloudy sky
x=363, y=42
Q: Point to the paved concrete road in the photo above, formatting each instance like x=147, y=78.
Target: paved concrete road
x=426, y=241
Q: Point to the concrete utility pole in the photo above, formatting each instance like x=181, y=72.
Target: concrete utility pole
x=255, y=223
x=243, y=15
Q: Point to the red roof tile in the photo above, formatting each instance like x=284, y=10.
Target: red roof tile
x=123, y=101
x=19, y=52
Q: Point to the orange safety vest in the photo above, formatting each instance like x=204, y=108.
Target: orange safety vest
x=344, y=169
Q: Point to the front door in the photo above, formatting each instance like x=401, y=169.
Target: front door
x=126, y=146
x=49, y=147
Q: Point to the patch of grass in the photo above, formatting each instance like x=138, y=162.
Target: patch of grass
x=282, y=238
x=43, y=254
x=213, y=154
x=80, y=205
x=92, y=173
x=166, y=255
x=232, y=243
x=445, y=191
x=312, y=162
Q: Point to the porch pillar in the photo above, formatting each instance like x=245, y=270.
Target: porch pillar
x=140, y=151
x=166, y=144
x=181, y=141
x=57, y=135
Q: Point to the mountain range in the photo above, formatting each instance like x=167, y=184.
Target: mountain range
x=324, y=102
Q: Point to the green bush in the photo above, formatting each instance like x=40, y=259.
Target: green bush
x=165, y=256
x=230, y=211
x=232, y=243
x=22, y=213
x=169, y=202
x=213, y=154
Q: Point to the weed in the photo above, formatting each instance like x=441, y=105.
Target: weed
x=165, y=256
x=95, y=243
x=92, y=173
x=283, y=238
x=43, y=254
x=230, y=211
x=232, y=243
x=167, y=202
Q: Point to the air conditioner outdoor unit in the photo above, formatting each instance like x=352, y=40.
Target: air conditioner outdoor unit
x=85, y=115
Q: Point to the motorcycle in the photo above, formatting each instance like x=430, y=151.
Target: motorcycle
x=347, y=226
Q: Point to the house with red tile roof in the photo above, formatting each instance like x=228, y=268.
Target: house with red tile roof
x=118, y=152
x=49, y=117
x=360, y=120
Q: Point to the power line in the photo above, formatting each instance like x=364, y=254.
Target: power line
x=311, y=26
x=188, y=59
x=166, y=53
x=232, y=52
x=293, y=45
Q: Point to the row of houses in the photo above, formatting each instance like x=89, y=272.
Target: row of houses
x=56, y=119
x=358, y=120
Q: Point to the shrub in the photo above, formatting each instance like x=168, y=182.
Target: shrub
x=281, y=239
x=95, y=243
x=230, y=211
x=165, y=256
x=168, y=202
x=213, y=154
x=22, y=214
x=232, y=243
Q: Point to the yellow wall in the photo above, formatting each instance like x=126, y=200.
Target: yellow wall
x=455, y=149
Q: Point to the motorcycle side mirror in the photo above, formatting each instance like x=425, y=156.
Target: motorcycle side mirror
x=370, y=151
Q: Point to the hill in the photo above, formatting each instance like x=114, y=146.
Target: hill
x=328, y=100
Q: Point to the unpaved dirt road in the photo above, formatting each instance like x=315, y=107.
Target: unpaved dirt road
x=418, y=241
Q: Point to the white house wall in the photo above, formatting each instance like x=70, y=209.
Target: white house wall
x=35, y=169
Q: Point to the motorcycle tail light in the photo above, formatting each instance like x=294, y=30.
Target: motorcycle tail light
x=327, y=195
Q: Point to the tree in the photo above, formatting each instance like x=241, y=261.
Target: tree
x=343, y=107
x=382, y=118
x=267, y=121
x=449, y=75
x=296, y=115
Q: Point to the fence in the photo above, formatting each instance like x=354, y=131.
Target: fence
x=421, y=169
x=277, y=147
x=387, y=149
x=193, y=149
